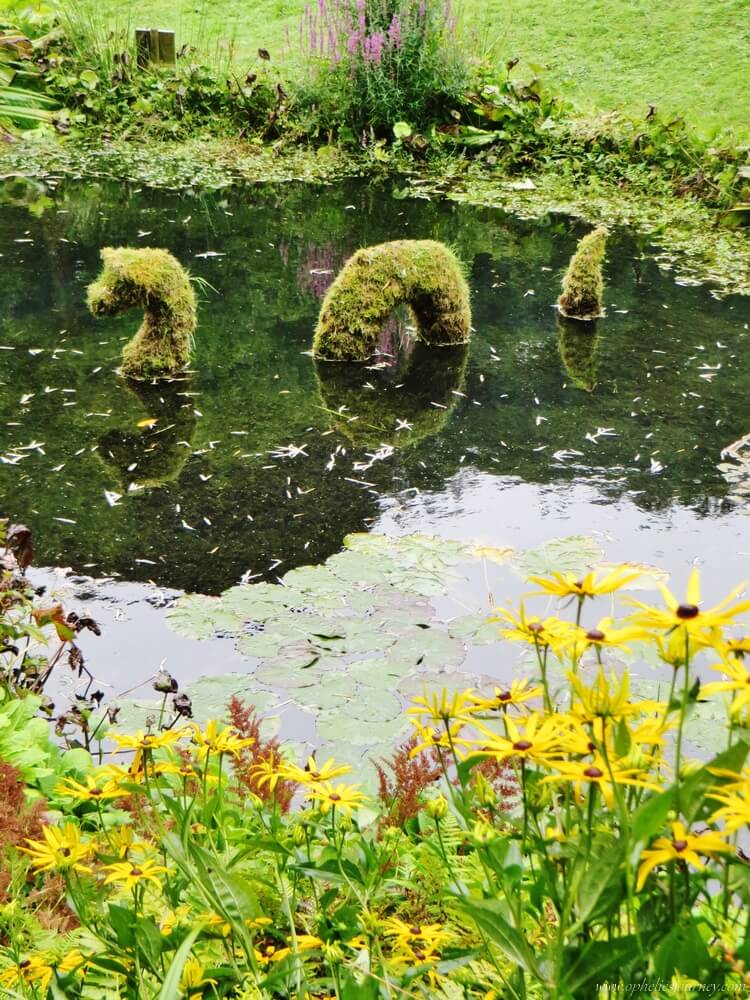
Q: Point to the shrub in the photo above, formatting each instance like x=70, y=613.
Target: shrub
x=379, y=63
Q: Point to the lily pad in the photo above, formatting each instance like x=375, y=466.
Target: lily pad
x=332, y=693
x=286, y=673
x=197, y=617
x=429, y=649
x=343, y=729
x=572, y=554
x=210, y=695
x=475, y=627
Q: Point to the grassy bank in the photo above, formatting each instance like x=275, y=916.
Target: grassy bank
x=685, y=57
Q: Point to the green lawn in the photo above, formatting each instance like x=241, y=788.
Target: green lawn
x=689, y=56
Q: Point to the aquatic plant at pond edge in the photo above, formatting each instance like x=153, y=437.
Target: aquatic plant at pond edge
x=154, y=280
x=583, y=284
x=423, y=274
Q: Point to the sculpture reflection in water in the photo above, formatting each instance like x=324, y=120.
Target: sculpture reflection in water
x=406, y=395
x=578, y=342
x=155, y=451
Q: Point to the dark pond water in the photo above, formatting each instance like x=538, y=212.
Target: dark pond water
x=260, y=460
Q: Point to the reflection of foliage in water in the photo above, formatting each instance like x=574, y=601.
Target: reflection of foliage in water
x=255, y=390
x=397, y=404
x=156, y=450
x=578, y=343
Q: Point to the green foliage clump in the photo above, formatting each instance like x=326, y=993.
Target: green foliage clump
x=583, y=284
x=152, y=279
x=376, y=63
x=423, y=274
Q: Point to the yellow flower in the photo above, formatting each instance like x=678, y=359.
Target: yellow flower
x=735, y=806
x=570, y=585
x=61, y=850
x=688, y=615
x=604, y=635
x=128, y=874
x=193, y=977
x=226, y=741
x=122, y=842
x=443, y=708
x=606, y=699
x=542, y=632
x=442, y=738
x=341, y=797
x=95, y=789
x=312, y=772
x=534, y=739
x=518, y=693
x=596, y=774
x=682, y=846
x=738, y=680
x=304, y=942
x=73, y=961
x=427, y=937
x=147, y=741
x=269, y=771
x=172, y=918
x=34, y=971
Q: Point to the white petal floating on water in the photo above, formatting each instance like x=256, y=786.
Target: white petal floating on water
x=113, y=499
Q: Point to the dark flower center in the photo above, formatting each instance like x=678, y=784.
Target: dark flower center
x=334, y=797
x=687, y=611
x=65, y=851
x=679, y=845
x=315, y=775
x=593, y=772
x=96, y=791
x=415, y=931
x=595, y=635
x=504, y=696
x=135, y=872
x=24, y=964
x=536, y=627
x=522, y=745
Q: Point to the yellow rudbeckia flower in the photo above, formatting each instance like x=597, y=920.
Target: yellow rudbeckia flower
x=687, y=615
x=211, y=740
x=738, y=680
x=590, y=585
x=598, y=773
x=735, y=806
x=535, y=739
x=128, y=874
x=518, y=693
x=345, y=798
x=61, y=850
x=94, y=790
x=146, y=741
x=314, y=772
x=681, y=846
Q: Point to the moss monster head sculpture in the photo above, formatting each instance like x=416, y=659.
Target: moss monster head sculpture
x=422, y=274
x=155, y=281
x=583, y=285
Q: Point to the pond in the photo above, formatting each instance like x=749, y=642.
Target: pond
x=259, y=460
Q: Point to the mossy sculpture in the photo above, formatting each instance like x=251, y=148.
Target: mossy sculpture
x=583, y=285
x=155, y=281
x=421, y=274
x=578, y=344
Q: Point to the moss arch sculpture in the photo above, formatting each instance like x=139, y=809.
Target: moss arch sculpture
x=155, y=281
x=422, y=274
x=583, y=284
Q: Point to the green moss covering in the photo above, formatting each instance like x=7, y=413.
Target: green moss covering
x=583, y=285
x=153, y=280
x=578, y=343
x=422, y=274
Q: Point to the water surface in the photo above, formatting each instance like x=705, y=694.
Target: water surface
x=259, y=460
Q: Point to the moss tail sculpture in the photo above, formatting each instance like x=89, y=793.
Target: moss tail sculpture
x=421, y=274
x=583, y=285
x=153, y=280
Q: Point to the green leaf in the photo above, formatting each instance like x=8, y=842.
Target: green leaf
x=170, y=988
x=595, y=962
x=489, y=915
x=682, y=950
